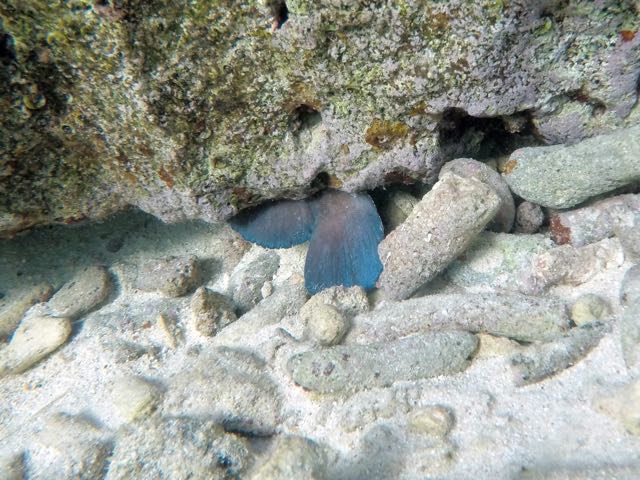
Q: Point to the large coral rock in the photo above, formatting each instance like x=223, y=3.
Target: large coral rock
x=194, y=110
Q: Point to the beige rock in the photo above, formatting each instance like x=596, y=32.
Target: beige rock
x=588, y=308
x=294, y=457
x=210, y=311
x=34, y=339
x=16, y=303
x=171, y=276
x=326, y=325
x=435, y=420
x=135, y=397
x=86, y=290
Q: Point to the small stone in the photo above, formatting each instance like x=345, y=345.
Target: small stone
x=12, y=467
x=33, y=340
x=85, y=291
x=563, y=176
x=15, y=304
x=441, y=226
x=594, y=222
x=249, y=276
x=589, y=308
x=354, y=367
x=349, y=301
x=170, y=330
x=539, y=362
x=210, y=311
x=529, y=218
x=230, y=385
x=171, y=276
x=629, y=329
x=570, y=265
x=434, y=420
x=286, y=300
x=397, y=208
x=520, y=317
x=81, y=449
x=178, y=448
x=469, y=168
x=491, y=346
x=326, y=325
x=630, y=286
x=135, y=398
x=629, y=236
x=623, y=405
x=294, y=457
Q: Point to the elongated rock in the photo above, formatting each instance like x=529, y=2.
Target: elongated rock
x=354, y=367
x=542, y=361
x=516, y=316
x=440, y=227
x=594, y=222
x=469, y=168
x=564, y=176
x=629, y=321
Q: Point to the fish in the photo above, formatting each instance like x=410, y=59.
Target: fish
x=343, y=230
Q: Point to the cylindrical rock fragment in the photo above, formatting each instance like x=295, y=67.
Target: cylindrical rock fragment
x=541, y=361
x=520, y=317
x=354, y=367
x=594, y=222
x=469, y=168
x=563, y=176
x=440, y=227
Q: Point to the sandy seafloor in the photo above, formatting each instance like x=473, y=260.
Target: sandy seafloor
x=500, y=430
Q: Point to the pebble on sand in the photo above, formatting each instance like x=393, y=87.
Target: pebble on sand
x=520, y=317
x=34, y=339
x=563, y=176
x=341, y=369
x=85, y=291
x=210, y=311
x=249, y=276
x=294, y=457
x=589, y=308
x=135, y=398
x=171, y=276
x=16, y=303
x=439, y=229
x=326, y=325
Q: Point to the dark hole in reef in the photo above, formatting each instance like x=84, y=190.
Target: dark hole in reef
x=7, y=50
x=483, y=138
x=279, y=13
x=304, y=117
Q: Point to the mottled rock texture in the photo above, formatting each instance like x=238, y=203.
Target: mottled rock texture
x=196, y=110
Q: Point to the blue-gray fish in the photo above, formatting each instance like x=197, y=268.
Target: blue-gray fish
x=343, y=229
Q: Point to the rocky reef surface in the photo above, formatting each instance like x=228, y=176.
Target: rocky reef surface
x=196, y=110
x=136, y=349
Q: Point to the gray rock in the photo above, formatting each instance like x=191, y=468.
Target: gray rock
x=469, y=168
x=248, y=278
x=440, y=228
x=294, y=457
x=35, y=338
x=630, y=286
x=539, y=362
x=171, y=276
x=85, y=291
x=16, y=303
x=210, y=311
x=564, y=176
x=623, y=405
x=498, y=260
x=81, y=449
x=588, y=308
x=286, y=300
x=529, y=218
x=629, y=236
x=594, y=222
x=520, y=317
x=231, y=386
x=325, y=325
x=349, y=368
x=12, y=466
x=134, y=397
x=572, y=265
x=177, y=448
